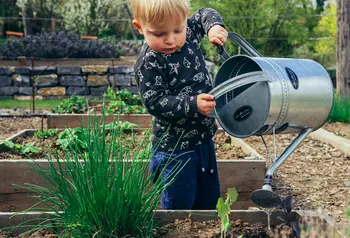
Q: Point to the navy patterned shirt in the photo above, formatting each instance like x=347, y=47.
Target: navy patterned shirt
x=169, y=85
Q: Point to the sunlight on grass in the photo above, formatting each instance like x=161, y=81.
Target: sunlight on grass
x=26, y=104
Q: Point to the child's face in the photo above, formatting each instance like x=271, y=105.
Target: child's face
x=166, y=38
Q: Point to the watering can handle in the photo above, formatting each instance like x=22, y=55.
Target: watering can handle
x=251, y=51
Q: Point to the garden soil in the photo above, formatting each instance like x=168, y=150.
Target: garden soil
x=316, y=174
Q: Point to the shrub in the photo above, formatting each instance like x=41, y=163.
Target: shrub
x=61, y=45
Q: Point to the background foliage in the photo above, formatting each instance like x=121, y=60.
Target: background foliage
x=283, y=28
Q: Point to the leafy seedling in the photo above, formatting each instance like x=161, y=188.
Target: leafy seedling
x=42, y=134
x=6, y=145
x=29, y=148
x=224, y=209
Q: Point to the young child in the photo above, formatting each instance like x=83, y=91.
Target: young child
x=174, y=83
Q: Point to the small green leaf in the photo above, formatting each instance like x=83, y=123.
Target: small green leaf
x=232, y=195
x=7, y=143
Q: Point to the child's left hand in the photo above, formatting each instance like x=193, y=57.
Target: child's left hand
x=217, y=35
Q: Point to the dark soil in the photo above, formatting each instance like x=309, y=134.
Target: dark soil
x=187, y=228
x=225, y=150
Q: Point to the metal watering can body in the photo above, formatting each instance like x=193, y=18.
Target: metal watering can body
x=257, y=95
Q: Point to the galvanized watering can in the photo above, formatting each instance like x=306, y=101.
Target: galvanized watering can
x=256, y=95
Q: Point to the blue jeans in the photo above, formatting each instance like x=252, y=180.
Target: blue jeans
x=196, y=182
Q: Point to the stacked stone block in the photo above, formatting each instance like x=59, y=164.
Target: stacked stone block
x=65, y=81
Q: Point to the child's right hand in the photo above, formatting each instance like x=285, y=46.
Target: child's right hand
x=205, y=103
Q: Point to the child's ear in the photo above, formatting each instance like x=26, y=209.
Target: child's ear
x=138, y=26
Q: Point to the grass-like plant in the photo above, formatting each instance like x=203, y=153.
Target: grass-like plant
x=101, y=191
x=341, y=110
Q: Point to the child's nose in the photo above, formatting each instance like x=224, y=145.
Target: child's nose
x=170, y=39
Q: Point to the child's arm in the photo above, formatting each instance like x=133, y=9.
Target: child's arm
x=202, y=21
x=155, y=94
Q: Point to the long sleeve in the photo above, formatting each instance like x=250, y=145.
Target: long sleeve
x=153, y=86
x=201, y=21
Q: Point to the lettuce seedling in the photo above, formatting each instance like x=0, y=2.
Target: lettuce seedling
x=223, y=209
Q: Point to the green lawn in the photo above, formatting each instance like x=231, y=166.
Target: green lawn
x=26, y=104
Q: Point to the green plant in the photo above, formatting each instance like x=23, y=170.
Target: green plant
x=17, y=148
x=72, y=137
x=110, y=93
x=104, y=192
x=42, y=134
x=6, y=145
x=224, y=209
x=120, y=126
x=74, y=104
x=29, y=148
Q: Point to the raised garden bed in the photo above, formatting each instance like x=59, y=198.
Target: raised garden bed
x=239, y=166
x=206, y=223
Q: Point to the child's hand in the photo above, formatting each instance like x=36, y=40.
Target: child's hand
x=205, y=103
x=217, y=35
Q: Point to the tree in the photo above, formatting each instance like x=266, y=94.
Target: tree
x=273, y=27
x=343, y=48
x=327, y=27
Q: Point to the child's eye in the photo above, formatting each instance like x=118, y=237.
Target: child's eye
x=178, y=31
x=158, y=34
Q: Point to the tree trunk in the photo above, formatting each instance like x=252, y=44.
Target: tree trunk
x=343, y=48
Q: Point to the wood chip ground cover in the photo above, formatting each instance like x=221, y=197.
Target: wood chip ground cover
x=316, y=174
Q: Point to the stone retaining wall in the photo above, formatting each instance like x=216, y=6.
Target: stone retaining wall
x=64, y=81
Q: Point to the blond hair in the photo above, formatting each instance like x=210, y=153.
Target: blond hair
x=158, y=12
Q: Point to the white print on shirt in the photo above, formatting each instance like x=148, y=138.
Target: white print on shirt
x=164, y=102
x=195, y=115
x=166, y=56
x=197, y=16
x=148, y=94
x=158, y=81
x=182, y=121
x=187, y=63
x=155, y=64
x=179, y=107
x=183, y=80
x=193, y=122
x=179, y=130
x=167, y=114
x=190, y=51
x=206, y=121
x=148, y=67
x=187, y=108
x=173, y=82
x=151, y=53
x=208, y=81
x=148, y=84
x=199, y=91
x=184, y=145
x=189, y=32
x=139, y=73
x=191, y=134
x=199, y=77
x=198, y=64
x=184, y=92
x=174, y=68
